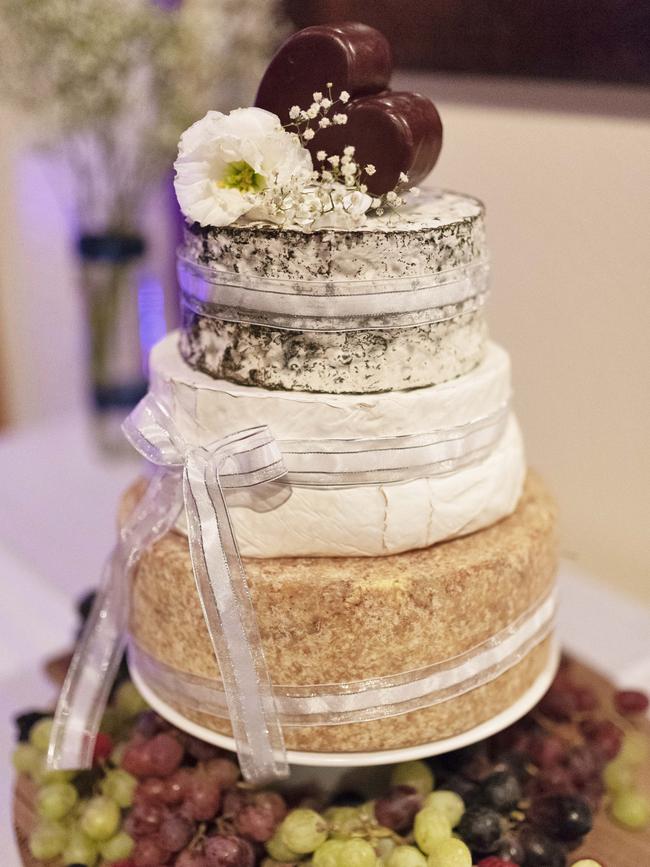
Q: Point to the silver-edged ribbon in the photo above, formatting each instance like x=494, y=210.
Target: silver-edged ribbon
x=371, y=699
x=332, y=305
x=240, y=461
x=196, y=477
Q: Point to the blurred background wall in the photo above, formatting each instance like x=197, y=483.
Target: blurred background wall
x=563, y=168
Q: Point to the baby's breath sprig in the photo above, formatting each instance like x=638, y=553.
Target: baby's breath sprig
x=340, y=182
x=301, y=119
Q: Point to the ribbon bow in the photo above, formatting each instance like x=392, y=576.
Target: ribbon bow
x=241, y=460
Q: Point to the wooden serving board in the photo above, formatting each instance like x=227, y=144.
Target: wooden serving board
x=608, y=844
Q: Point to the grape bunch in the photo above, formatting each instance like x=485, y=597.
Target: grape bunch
x=157, y=797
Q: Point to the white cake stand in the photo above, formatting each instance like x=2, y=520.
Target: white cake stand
x=344, y=761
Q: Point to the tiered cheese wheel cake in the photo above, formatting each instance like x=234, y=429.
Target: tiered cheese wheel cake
x=384, y=573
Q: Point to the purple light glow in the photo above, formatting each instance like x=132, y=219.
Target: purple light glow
x=151, y=315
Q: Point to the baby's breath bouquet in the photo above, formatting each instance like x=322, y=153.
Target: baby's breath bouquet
x=108, y=86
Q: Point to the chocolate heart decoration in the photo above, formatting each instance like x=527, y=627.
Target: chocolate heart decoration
x=394, y=131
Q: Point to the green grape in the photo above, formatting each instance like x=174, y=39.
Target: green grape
x=101, y=818
x=278, y=851
x=42, y=775
x=328, y=854
x=449, y=804
x=450, y=853
x=118, y=847
x=618, y=776
x=303, y=830
x=128, y=700
x=39, y=734
x=634, y=749
x=631, y=810
x=80, y=849
x=430, y=828
x=415, y=774
x=366, y=812
x=384, y=847
x=26, y=758
x=120, y=786
x=343, y=821
x=357, y=853
x=406, y=856
x=47, y=840
x=55, y=800
x=587, y=862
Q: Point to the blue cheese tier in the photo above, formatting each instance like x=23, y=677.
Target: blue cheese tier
x=365, y=519
x=439, y=242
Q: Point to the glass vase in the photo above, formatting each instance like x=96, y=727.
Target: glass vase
x=112, y=271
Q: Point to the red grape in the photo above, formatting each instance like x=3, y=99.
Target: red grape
x=559, y=704
x=103, y=747
x=137, y=759
x=586, y=699
x=274, y=801
x=630, y=701
x=221, y=851
x=224, y=771
x=144, y=818
x=493, y=861
x=175, y=833
x=147, y=852
x=604, y=736
x=165, y=754
x=397, y=809
x=546, y=750
x=256, y=822
x=203, y=798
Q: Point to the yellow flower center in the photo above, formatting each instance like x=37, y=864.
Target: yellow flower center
x=240, y=175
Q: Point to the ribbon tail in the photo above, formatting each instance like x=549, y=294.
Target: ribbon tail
x=232, y=626
x=99, y=650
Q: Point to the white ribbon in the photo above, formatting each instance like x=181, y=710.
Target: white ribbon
x=196, y=477
x=372, y=699
x=332, y=305
x=242, y=460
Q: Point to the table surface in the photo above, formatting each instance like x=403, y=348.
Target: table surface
x=57, y=523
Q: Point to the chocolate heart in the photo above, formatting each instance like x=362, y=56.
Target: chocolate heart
x=394, y=131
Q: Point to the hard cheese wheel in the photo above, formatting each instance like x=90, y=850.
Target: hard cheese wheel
x=332, y=620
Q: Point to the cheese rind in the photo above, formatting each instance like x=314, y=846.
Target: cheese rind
x=442, y=238
x=361, y=520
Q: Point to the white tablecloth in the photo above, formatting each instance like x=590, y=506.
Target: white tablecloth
x=57, y=520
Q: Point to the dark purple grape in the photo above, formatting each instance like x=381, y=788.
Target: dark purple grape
x=509, y=848
x=501, y=791
x=230, y=851
x=565, y=817
x=467, y=790
x=396, y=810
x=540, y=850
x=480, y=828
x=149, y=724
x=25, y=721
x=347, y=798
x=583, y=764
x=516, y=763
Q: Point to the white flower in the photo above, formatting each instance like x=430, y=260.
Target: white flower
x=294, y=112
x=321, y=156
x=324, y=122
x=356, y=204
x=326, y=103
x=227, y=163
x=313, y=110
x=318, y=96
x=334, y=161
x=391, y=197
x=308, y=134
x=415, y=191
x=349, y=150
x=329, y=85
x=345, y=96
x=340, y=119
x=403, y=178
x=370, y=169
